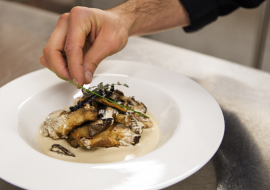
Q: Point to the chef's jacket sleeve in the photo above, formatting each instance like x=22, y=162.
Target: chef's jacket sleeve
x=203, y=12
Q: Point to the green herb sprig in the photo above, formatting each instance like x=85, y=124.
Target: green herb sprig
x=99, y=94
x=101, y=86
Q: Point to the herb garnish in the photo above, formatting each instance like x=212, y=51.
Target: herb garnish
x=100, y=95
x=100, y=86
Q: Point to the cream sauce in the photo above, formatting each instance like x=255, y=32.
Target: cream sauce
x=149, y=140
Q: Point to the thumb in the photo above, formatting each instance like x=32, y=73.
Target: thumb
x=101, y=48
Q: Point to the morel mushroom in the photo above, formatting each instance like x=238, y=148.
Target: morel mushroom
x=61, y=150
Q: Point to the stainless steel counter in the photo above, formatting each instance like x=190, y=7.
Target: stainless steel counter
x=243, y=159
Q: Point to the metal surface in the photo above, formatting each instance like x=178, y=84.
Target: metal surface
x=242, y=161
x=262, y=36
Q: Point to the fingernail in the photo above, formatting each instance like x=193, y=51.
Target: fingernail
x=76, y=82
x=88, y=76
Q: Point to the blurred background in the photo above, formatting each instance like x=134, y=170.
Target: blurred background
x=242, y=37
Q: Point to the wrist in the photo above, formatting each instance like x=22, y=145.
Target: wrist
x=148, y=16
x=126, y=20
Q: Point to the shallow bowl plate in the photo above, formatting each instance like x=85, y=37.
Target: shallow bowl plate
x=191, y=123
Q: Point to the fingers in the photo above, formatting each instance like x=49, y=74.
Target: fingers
x=102, y=47
x=44, y=62
x=55, y=46
x=76, y=35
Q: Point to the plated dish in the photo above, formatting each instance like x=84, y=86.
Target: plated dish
x=102, y=125
x=191, y=130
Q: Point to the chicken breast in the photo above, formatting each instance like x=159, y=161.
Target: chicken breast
x=116, y=135
x=58, y=125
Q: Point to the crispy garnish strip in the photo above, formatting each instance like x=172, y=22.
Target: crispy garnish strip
x=106, y=102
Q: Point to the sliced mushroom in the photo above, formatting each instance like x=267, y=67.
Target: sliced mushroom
x=146, y=121
x=61, y=150
x=136, y=126
x=109, y=112
x=99, y=125
x=139, y=107
x=129, y=102
x=116, y=95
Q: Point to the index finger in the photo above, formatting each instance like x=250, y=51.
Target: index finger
x=75, y=41
x=55, y=46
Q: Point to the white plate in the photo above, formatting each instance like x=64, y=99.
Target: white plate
x=191, y=121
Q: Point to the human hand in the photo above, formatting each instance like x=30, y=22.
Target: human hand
x=81, y=40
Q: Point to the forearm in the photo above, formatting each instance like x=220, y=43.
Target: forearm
x=103, y=33
x=149, y=16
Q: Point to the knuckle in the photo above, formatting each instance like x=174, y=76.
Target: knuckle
x=63, y=17
x=112, y=46
x=94, y=63
x=42, y=61
x=76, y=10
x=41, y=58
x=46, y=50
x=69, y=47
